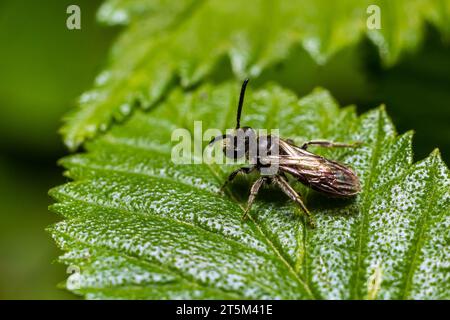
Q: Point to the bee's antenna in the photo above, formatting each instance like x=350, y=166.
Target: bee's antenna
x=241, y=102
x=214, y=140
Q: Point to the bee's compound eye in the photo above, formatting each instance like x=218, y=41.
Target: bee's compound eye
x=264, y=144
x=234, y=148
x=228, y=150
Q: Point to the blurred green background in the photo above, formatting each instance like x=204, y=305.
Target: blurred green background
x=44, y=67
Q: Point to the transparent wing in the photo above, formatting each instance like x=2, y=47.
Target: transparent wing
x=321, y=174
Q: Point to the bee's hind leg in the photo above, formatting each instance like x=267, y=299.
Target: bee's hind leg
x=245, y=170
x=291, y=193
x=253, y=192
x=330, y=144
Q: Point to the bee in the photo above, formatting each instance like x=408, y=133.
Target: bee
x=323, y=175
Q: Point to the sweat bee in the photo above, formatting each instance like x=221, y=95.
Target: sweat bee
x=323, y=175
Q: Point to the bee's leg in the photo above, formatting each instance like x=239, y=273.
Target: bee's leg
x=253, y=192
x=283, y=175
x=245, y=170
x=291, y=193
x=330, y=144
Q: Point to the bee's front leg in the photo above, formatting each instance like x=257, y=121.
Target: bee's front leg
x=283, y=175
x=291, y=193
x=245, y=170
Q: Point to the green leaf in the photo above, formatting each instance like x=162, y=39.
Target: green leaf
x=188, y=40
x=139, y=226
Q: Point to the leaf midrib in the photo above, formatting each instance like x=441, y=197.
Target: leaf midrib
x=218, y=178
x=420, y=229
x=364, y=205
x=266, y=238
x=259, y=228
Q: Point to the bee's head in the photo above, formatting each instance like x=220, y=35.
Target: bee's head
x=236, y=144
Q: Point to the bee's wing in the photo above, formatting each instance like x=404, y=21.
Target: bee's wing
x=321, y=174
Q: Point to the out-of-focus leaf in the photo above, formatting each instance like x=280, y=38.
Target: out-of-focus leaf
x=165, y=41
x=44, y=67
x=416, y=90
